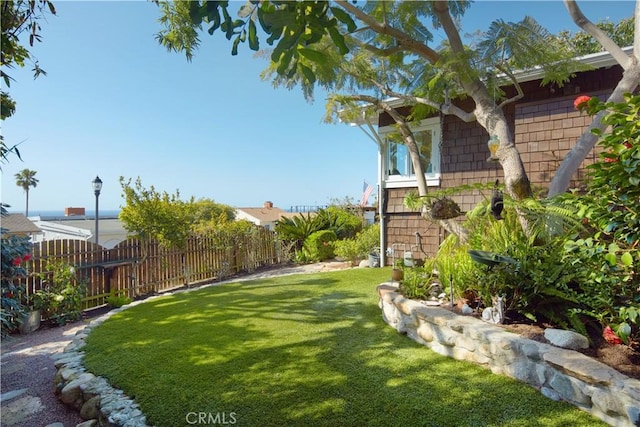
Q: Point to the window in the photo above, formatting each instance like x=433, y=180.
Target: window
x=398, y=168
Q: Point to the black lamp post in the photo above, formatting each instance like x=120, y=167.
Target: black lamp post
x=97, y=186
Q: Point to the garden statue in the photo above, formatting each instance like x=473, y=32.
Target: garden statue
x=494, y=314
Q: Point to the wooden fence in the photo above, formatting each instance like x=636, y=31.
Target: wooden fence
x=134, y=268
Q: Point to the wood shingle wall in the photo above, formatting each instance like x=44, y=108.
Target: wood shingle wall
x=545, y=126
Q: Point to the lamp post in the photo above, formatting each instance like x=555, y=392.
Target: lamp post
x=97, y=186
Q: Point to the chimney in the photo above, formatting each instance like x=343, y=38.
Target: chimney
x=73, y=211
x=268, y=205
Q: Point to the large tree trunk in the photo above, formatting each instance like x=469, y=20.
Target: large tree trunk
x=492, y=118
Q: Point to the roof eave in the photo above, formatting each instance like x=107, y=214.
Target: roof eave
x=595, y=60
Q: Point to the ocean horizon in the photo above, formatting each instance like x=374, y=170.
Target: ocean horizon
x=54, y=214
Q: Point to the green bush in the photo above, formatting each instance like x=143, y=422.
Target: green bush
x=116, y=301
x=456, y=267
x=359, y=247
x=297, y=229
x=417, y=280
x=60, y=298
x=15, y=253
x=349, y=249
x=342, y=221
x=540, y=285
x=605, y=254
x=319, y=245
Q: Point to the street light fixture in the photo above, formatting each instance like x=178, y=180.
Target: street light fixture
x=97, y=186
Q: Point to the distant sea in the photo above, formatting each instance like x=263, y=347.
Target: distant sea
x=52, y=215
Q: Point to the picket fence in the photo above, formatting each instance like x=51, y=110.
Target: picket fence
x=137, y=268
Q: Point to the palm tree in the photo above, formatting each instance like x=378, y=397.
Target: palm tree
x=26, y=179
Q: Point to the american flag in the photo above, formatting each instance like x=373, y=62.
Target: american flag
x=367, y=189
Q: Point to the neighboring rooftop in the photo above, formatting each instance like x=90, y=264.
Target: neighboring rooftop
x=18, y=224
x=266, y=216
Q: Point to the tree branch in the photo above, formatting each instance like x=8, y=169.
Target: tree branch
x=404, y=40
x=513, y=79
x=600, y=36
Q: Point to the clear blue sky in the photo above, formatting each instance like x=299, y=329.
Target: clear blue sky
x=115, y=103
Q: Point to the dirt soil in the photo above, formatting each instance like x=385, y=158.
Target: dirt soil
x=623, y=358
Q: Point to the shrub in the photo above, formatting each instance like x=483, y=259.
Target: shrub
x=359, y=247
x=116, y=301
x=605, y=255
x=15, y=253
x=349, y=249
x=60, y=298
x=417, y=280
x=456, y=267
x=319, y=245
x=343, y=222
x=298, y=228
x=539, y=285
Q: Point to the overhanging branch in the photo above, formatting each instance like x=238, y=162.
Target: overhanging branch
x=600, y=36
x=404, y=40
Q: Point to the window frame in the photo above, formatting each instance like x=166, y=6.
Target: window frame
x=433, y=178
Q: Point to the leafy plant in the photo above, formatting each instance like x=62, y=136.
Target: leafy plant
x=298, y=228
x=319, y=245
x=341, y=221
x=417, y=280
x=117, y=300
x=15, y=253
x=605, y=255
x=455, y=267
x=360, y=246
x=60, y=298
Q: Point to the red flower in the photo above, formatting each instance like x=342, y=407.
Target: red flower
x=26, y=258
x=627, y=144
x=579, y=102
x=17, y=261
x=611, y=336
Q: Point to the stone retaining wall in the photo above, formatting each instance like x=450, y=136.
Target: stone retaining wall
x=98, y=403
x=558, y=373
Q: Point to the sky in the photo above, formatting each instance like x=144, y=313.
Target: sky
x=115, y=103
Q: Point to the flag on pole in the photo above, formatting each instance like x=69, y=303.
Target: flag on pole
x=367, y=189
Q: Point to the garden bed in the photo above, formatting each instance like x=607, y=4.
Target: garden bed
x=558, y=373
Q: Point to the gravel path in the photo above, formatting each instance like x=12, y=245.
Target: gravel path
x=27, y=369
x=27, y=378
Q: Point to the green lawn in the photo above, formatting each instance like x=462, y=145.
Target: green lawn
x=303, y=350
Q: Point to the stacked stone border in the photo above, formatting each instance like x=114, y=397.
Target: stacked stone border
x=97, y=401
x=559, y=374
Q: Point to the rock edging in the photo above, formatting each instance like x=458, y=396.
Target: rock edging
x=97, y=401
x=558, y=373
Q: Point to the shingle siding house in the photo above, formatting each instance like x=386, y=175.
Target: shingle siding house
x=545, y=126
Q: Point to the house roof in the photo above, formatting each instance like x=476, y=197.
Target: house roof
x=264, y=214
x=18, y=224
x=65, y=230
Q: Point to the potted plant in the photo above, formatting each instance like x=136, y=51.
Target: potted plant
x=397, y=273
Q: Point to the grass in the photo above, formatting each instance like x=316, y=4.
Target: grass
x=303, y=350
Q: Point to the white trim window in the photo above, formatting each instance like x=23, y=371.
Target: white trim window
x=397, y=166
